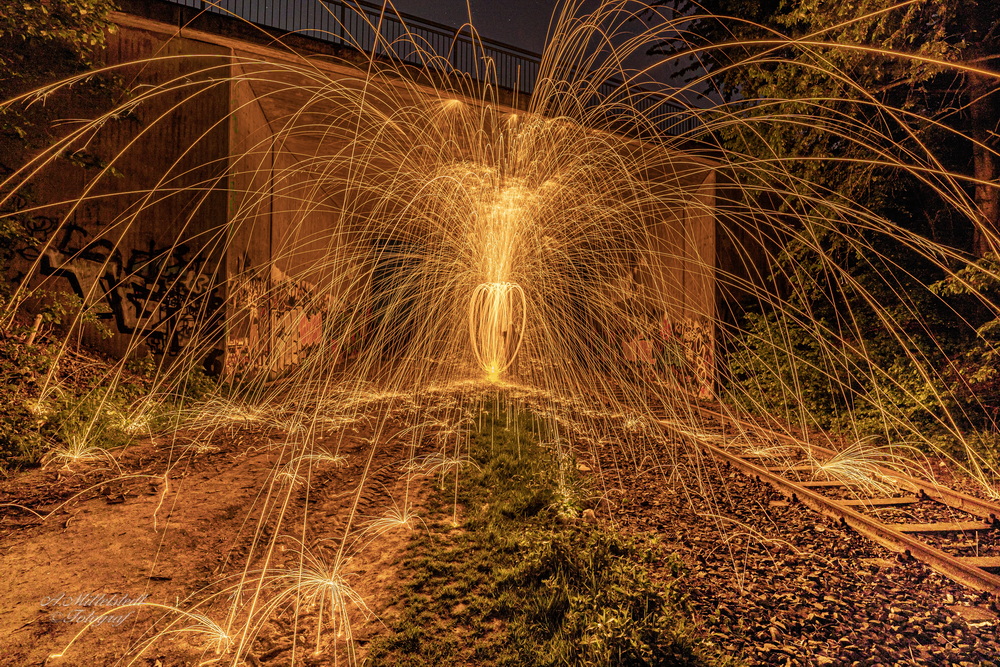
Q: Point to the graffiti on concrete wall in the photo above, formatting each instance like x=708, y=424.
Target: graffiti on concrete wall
x=248, y=342
x=278, y=320
x=681, y=350
x=686, y=351
x=298, y=309
x=165, y=295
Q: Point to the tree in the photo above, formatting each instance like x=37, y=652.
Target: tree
x=867, y=134
x=42, y=41
x=981, y=47
x=864, y=41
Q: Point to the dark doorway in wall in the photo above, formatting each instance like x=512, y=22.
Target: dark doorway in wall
x=393, y=296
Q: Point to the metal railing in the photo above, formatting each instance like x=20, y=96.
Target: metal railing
x=417, y=41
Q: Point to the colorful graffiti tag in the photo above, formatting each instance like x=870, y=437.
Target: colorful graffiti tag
x=680, y=350
x=278, y=321
x=686, y=351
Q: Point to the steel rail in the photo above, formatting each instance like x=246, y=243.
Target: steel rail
x=984, y=509
x=889, y=537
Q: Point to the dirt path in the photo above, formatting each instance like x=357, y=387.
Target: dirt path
x=168, y=525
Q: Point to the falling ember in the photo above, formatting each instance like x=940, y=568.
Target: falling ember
x=496, y=326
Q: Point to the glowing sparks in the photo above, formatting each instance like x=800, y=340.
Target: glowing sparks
x=497, y=320
x=418, y=244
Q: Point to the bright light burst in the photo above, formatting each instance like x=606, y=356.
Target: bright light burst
x=496, y=326
x=392, y=244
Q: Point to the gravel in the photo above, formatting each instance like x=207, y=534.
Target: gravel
x=776, y=583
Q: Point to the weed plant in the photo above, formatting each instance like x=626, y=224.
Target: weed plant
x=523, y=581
x=58, y=406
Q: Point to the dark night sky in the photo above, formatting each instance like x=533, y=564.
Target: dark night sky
x=522, y=23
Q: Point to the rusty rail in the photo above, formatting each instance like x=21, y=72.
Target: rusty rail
x=962, y=570
x=984, y=509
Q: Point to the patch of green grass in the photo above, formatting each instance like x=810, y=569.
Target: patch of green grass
x=54, y=405
x=520, y=582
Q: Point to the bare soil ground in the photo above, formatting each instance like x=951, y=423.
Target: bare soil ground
x=168, y=519
x=162, y=525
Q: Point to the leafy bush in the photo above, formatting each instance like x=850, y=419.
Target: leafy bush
x=52, y=398
x=23, y=413
x=924, y=371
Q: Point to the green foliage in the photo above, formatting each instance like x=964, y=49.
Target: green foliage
x=75, y=22
x=198, y=384
x=984, y=447
x=585, y=598
x=523, y=582
x=23, y=369
x=66, y=311
x=946, y=30
x=798, y=370
x=925, y=365
x=52, y=399
x=45, y=40
x=974, y=367
x=41, y=42
x=49, y=398
x=840, y=148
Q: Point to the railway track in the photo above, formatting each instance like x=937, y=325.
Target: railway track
x=907, y=514
x=874, y=500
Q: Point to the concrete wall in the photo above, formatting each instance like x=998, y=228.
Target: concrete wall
x=678, y=277
x=249, y=338
x=284, y=226
x=141, y=245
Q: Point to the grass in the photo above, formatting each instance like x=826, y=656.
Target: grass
x=519, y=582
x=60, y=405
